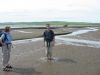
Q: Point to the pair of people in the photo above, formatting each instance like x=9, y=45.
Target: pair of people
x=6, y=41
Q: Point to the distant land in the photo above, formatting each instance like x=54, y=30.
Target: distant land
x=52, y=23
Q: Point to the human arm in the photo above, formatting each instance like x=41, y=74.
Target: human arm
x=44, y=38
x=53, y=35
x=1, y=38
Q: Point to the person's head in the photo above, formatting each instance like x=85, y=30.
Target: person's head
x=48, y=26
x=7, y=29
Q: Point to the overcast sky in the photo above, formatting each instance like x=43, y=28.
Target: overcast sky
x=49, y=10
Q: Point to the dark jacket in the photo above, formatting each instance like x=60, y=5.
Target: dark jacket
x=48, y=35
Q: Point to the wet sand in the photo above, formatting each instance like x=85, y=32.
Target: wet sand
x=33, y=33
x=29, y=59
x=93, y=35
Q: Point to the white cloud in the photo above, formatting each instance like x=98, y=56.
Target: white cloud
x=27, y=10
x=18, y=5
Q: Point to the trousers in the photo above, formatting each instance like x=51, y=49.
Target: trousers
x=6, y=49
x=49, y=49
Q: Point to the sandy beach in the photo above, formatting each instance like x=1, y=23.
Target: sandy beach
x=28, y=33
x=71, y=56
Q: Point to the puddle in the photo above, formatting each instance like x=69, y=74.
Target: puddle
x=79, y=42
x=57, y=59
x=66, y=60
x=27, y=40
x=81, y=31
x=22, y=31
x=60, y=39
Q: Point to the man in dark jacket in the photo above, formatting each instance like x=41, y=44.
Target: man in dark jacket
x=49, y=40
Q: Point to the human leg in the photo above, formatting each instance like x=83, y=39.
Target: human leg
x=6, y=56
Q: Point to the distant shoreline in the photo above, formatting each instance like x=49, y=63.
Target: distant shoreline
x=31, y=32
x=41, y=36
x=36, y=32
x=34, y=27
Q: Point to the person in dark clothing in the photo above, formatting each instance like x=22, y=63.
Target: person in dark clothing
x=49, y=40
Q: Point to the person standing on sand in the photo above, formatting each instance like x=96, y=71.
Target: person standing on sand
x=49, y=40
x=6, y=39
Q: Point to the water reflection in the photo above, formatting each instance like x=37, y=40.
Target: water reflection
x=58, y=59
